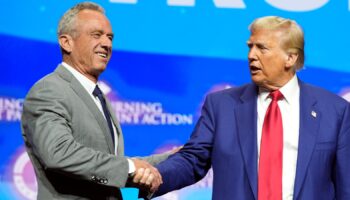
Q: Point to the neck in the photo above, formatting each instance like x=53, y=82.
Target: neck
x=277, y=84
x=80, y=69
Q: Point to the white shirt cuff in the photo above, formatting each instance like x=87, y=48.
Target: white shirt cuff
x=131, y=166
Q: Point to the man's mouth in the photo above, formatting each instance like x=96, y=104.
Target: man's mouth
x=254, y=69
x=103, y=55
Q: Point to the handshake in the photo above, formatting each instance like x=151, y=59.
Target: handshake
x=146, y=176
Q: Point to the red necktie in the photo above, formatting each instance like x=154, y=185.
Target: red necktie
x=271, y=152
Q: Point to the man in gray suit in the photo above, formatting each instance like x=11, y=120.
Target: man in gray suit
x=73, y=139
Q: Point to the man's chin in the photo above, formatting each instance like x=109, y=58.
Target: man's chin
x=257, y=80
x=101, y=67
x=98, y=70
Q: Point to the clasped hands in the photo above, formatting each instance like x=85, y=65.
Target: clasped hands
x=146, y=176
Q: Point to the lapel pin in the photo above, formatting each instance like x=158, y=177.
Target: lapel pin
x=313, y=113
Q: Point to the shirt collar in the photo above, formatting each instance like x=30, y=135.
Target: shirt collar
x=88, y=84
x=290, y=91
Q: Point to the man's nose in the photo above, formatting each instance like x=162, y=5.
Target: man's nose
x=106, y=42
x=251, y=54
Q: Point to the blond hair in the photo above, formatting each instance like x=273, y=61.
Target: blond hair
x=293, y=40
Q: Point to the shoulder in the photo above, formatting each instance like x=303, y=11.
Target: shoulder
x=50, y=94
x=51, y=81
x=329, y=103
x=234, y=92
x=231, y=97
x=322, y=95
x=50, y=87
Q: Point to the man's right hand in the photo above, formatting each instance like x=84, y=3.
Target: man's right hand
x=146, y=176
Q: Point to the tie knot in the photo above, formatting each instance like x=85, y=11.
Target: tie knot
x=97, y=91
x=276, y=95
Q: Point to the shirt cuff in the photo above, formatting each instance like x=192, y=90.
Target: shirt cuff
x=131, y=166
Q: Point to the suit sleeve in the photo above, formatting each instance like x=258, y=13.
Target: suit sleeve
x=193, y=161
x=46, y=124
x=155, y=158
x=342, y=183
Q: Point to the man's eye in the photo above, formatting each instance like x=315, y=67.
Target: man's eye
x=96, y=35
x=261, y=47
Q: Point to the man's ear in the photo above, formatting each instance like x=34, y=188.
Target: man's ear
x=291, y=59
x=66, y=42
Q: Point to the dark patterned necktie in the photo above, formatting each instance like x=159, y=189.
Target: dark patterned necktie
x=98, y=93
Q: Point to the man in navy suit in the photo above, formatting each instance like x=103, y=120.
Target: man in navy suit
x=313, y=157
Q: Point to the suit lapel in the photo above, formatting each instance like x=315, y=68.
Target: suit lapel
x=246, y=120
x=309, y=125
x=90, y=104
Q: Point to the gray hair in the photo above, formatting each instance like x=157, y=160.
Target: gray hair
x=67, y=22
x=293, y=40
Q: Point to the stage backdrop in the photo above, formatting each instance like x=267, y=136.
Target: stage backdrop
x=167, y=55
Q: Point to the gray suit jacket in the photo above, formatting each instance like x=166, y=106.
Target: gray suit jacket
x=68, y=141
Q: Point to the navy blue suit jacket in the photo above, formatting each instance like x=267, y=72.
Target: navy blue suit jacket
x=225, y=137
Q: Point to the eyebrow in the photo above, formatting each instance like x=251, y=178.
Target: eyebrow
x=255, y=43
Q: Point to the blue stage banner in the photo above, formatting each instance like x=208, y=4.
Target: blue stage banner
x=167, y=56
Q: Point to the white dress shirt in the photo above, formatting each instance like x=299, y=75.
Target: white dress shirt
x=289, y=107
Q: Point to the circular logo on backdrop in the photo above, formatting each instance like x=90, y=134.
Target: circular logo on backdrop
x=214, y=88
x=23, y=176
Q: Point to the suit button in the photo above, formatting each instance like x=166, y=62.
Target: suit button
x=105, y=181
x=93, y=178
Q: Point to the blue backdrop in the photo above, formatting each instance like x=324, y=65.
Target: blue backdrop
x=167, y=55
